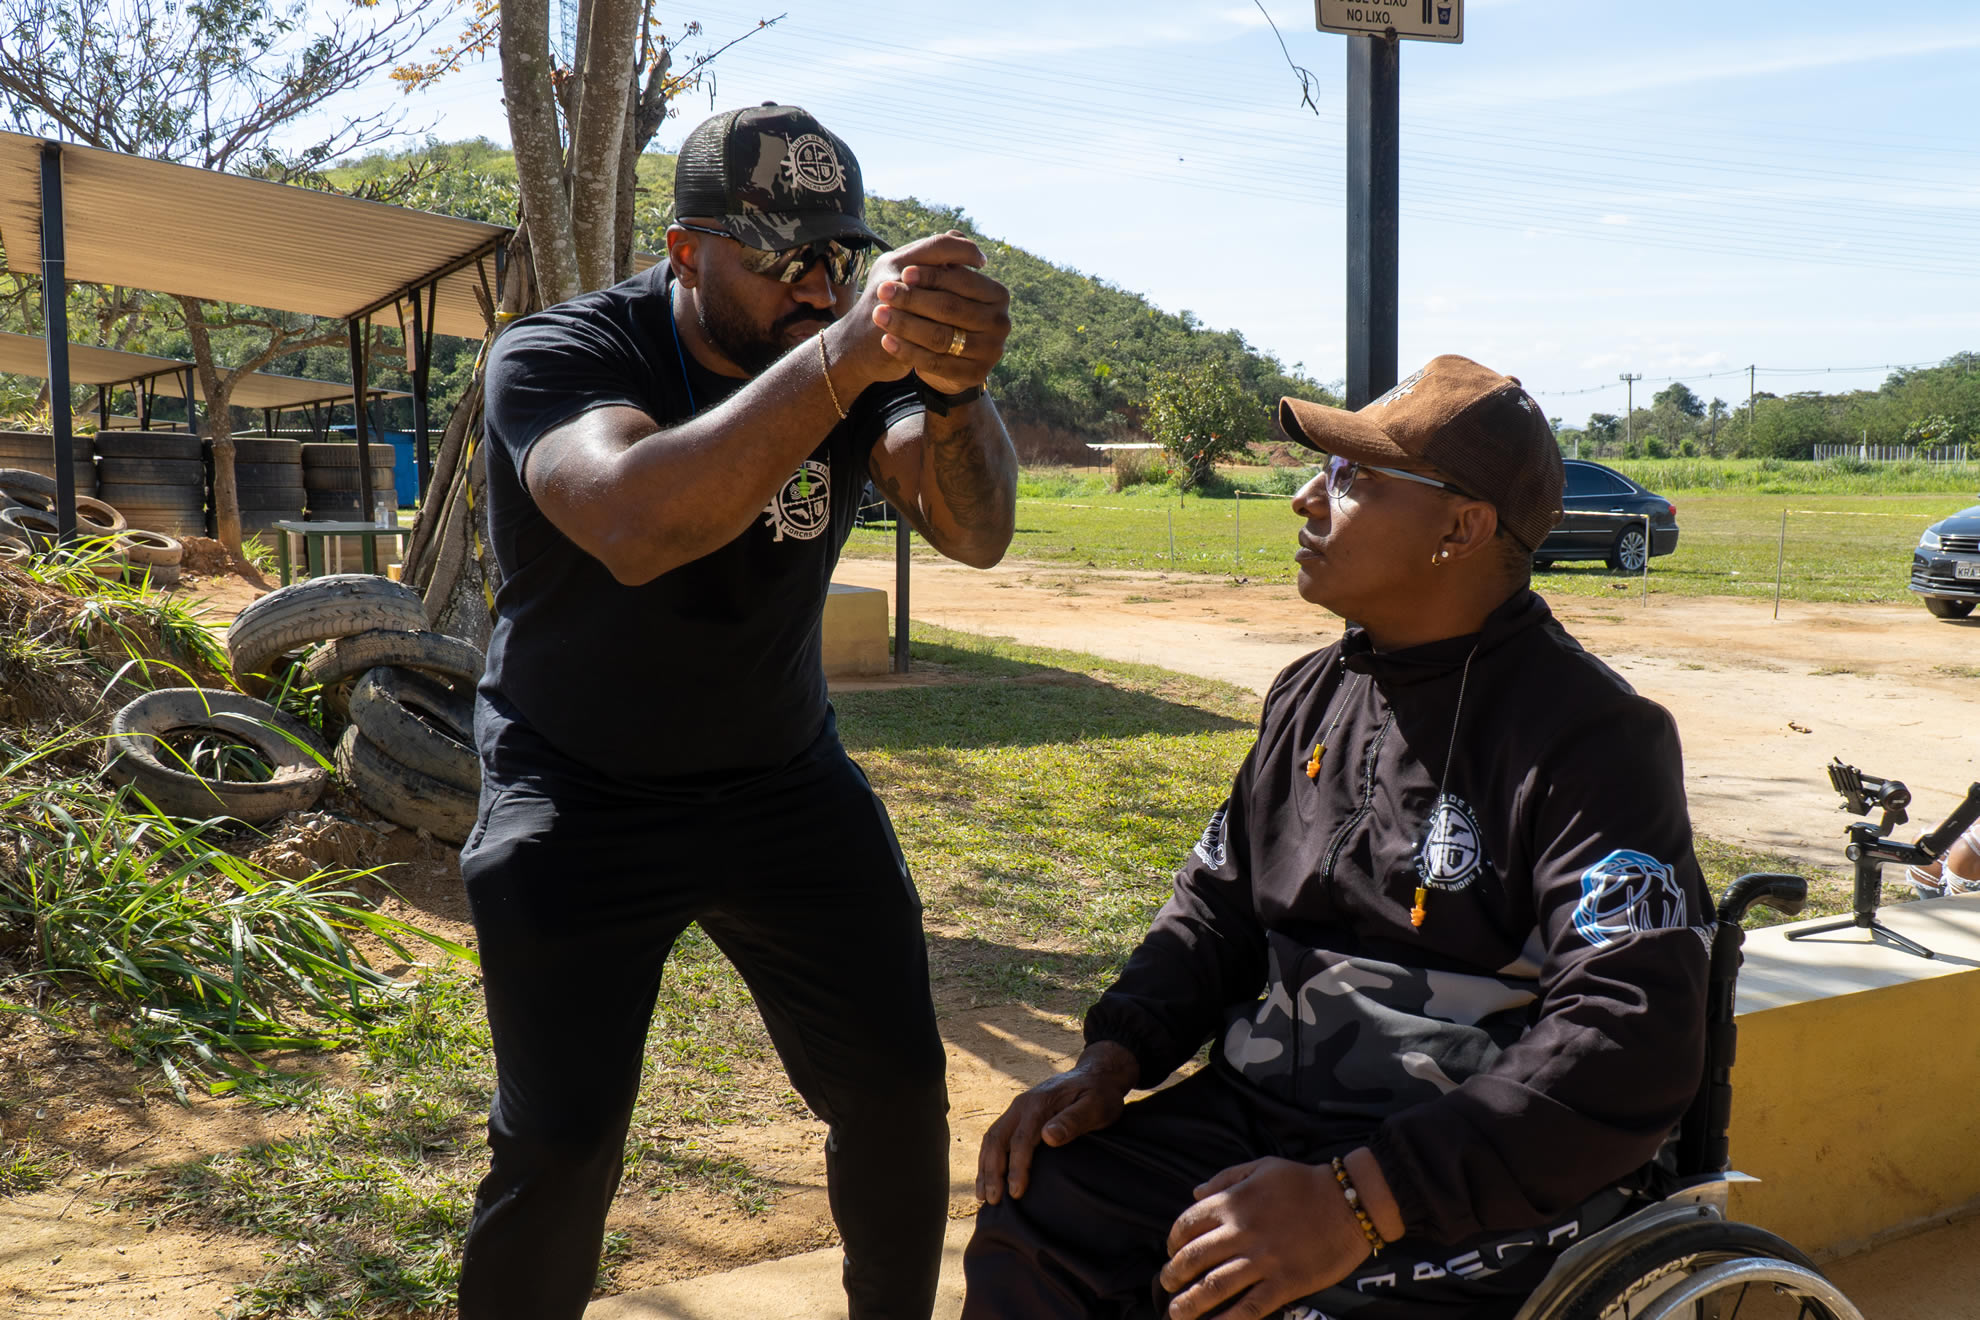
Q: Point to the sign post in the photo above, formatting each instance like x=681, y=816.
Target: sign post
x=1374, y=140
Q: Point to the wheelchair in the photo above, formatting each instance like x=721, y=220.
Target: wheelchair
x=1680, y=1258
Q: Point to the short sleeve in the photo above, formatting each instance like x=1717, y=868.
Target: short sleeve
x=547, y=369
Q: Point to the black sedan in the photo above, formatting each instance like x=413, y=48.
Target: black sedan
x=1603, y=519
x=1945, y=568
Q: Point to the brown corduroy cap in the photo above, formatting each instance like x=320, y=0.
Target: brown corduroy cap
x=1476, y=427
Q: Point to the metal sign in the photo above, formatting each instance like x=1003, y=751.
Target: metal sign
x=1412, y=20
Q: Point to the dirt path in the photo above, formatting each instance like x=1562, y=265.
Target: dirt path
x=1762, y=705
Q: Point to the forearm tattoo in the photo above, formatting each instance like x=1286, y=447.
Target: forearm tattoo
x=971, y=474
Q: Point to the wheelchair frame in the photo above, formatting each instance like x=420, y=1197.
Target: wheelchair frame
x=1669, y=1259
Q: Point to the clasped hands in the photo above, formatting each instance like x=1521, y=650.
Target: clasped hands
x=1260, y=1235
x=917, y=298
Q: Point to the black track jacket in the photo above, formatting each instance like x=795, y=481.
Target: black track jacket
x=1540, y=1035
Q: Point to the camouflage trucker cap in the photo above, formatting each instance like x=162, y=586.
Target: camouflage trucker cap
x=1479, y=428
x=773, y=177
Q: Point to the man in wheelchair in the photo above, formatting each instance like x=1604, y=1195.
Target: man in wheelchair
x=1446, y=936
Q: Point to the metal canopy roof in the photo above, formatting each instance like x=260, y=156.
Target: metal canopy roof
x=27, y=355
x=148, y=224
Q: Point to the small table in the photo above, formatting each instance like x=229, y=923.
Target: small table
x=314, y=534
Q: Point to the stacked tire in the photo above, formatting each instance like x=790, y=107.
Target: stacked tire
x=406, y=693
x=156, y=479
x=31, y=452
x=28, y=523
x=330, y=484
x=145, y=739
x=268, y=477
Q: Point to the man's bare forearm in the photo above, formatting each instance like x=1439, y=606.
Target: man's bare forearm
x=971, y=470
x=644, y=501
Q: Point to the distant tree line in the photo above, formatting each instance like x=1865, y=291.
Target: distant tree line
x=1930, y=408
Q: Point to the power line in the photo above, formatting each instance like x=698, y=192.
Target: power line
x=1739, y=371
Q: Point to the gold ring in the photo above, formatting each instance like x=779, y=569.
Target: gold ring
x=957, y=342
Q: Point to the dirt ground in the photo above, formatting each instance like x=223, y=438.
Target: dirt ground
x=1760, y=704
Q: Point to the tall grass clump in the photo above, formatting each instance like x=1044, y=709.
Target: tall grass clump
x=210, y=957
x=1848, y=475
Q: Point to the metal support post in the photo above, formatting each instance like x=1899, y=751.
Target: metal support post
x=358, y=328
x=1373, y=174
x=55, y=327
x=419, y=348
x=902, y=545
x=1237, y=546
x=102, y=407
x=190, y=385
x=1780, y=562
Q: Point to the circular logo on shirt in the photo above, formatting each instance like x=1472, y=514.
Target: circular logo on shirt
x=1452, y=853
x=802, y=510
x=811, y=164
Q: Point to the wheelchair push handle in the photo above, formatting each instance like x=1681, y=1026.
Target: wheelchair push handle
x=1955, y=825
x=1785, y=894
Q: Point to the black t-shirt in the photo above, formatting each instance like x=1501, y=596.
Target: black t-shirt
x=710, y=672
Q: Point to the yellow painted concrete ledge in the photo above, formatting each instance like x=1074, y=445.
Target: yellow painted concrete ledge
x=1854, y=1087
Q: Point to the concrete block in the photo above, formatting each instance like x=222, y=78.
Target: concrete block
x=855, y=631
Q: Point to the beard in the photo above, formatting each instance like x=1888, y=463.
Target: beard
x=752, y=347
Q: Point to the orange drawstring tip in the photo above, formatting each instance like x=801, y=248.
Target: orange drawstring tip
x=1313, y=766
x=1421, y=910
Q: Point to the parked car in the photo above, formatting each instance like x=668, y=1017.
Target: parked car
x=1589, y=526
x=1945, y=568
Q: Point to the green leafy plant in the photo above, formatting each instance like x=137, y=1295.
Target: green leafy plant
x=211, y=956
x=1202, y=417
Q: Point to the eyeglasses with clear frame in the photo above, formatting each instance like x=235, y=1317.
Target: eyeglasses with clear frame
x=845, y=263
x=1341, y=473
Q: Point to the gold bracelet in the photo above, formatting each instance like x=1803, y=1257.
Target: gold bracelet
x=825, y=365
x=1368, y=1230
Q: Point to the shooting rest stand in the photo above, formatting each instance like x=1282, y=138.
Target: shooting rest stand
x=1869, y=848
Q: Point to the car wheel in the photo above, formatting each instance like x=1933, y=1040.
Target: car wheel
x=1948, y=609
x=1631, y=550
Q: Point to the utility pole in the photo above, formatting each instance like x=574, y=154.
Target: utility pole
x=1751, y=415
x=1629, y=410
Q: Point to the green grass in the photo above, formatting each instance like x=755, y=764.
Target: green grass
x=1840, y=547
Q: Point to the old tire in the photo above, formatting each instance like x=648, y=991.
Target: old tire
x=139, y=758
x=404, y=795
x=1631, y=551
x=1948, y=609
x=152, y=495
x=95, y=517
x=32, y=526
x=152, y=549
x=332, y=455
x=13, y=552
x=419, y=723
x=29, y=488
x=346, y=478
x=318, y=610
x=188, y=472
x=263, y=449
x=336, y=666
x=147, y=447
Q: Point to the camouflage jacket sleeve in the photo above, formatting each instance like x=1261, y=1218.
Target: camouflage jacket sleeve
x=1616, y=1049
x=1205, y=951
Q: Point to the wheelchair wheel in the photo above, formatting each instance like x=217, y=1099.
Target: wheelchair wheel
x=1707, y=1271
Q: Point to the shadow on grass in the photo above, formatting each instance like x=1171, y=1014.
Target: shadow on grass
x=1004, y=701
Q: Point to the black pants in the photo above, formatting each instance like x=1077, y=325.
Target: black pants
x=1088, y=1236
x=577, y=902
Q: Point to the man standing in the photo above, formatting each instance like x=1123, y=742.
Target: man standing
x=674, y=465
x=1444, y=936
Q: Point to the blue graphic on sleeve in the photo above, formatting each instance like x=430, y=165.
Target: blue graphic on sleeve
x=1627, y=893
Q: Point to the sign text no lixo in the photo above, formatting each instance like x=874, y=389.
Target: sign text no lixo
x=1412, y=20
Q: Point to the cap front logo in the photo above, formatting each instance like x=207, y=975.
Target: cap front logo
x=1407, y=385
x=813, y=165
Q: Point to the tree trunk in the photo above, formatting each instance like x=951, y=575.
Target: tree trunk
x=598, y=137
x=219, y=430
x=538, y=144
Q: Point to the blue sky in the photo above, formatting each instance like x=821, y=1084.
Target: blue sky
x=1675, y=189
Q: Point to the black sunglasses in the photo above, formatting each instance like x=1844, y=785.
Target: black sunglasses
x=1341, y=473
x=845, y=262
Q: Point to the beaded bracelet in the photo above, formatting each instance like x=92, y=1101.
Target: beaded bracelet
x=1368, y=1230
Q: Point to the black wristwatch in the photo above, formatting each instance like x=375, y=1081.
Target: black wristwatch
x=940, y=403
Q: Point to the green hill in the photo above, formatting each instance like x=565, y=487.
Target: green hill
x=1082, y=349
